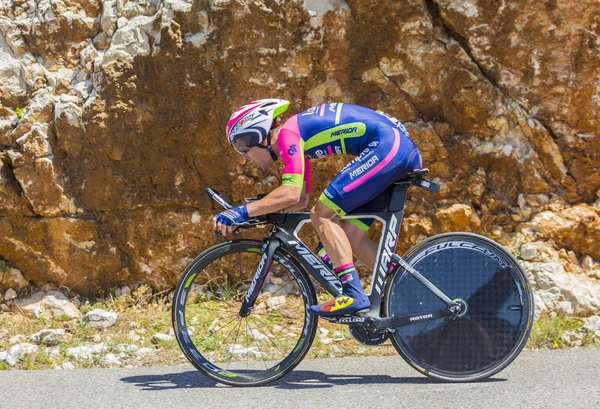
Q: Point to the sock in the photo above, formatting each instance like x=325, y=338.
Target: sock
x=350, y=282
x=323, y=254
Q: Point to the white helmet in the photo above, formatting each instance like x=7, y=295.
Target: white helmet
x=250, y=124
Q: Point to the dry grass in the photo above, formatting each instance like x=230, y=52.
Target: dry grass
x=144, y=314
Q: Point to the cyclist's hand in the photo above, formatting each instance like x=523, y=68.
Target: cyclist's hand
x=224, y=221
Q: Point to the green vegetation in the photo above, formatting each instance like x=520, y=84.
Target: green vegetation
x=558, y=333
x=210, y=322
x=19, y=111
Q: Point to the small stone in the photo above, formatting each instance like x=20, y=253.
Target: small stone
x=592, y=323
x=48, y=336
x=487, y=147
x=587, y=262
x=10, y=294
x=125, y=291
x=17, y=339
x=134, y=325
x=573, y=257
x=337, y=336
x=127, y=348
x=528, y=252
x=13, y=278
x=68, y=366
x=145, y=351
x=565, y=308
x=48, y=305
x=276, y=280
x=110, y=359
x=157, y=338
x=100, y=318
x=20, y=351
x=132, y=336
x=275, y=302
x=121, y=22
x=81, y=352
x=323, y=332
x=99, y=348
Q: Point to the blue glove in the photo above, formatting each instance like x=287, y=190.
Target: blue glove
x=233, y=215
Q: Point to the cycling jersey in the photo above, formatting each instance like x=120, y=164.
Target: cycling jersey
x=384, y=153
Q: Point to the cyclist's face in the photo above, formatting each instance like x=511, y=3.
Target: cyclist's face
x=260, y=156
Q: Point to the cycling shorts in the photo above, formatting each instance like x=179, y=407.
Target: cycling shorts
x=365, y=184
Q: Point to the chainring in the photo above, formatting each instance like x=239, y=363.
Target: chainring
x=366, y=337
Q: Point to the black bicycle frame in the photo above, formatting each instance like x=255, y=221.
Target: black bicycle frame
x=285, y=234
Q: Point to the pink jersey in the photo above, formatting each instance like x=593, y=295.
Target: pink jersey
x=296, y=168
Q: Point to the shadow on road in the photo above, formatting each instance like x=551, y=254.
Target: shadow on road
x=295, y=380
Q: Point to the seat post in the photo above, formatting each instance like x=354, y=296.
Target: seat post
x=398, y=198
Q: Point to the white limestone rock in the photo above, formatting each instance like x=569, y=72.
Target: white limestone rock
x=19, y=352
x=48, y=305
x=100, y=318
x=48, y=336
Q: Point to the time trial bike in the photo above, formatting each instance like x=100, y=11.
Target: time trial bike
x=457, y=306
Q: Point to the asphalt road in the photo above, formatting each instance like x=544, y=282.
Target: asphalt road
x=541, y=379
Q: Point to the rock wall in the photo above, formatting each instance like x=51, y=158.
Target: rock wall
x=112, y=115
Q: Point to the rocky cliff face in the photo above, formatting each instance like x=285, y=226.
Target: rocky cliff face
x=112, y=115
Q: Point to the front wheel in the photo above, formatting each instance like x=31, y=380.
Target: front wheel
x=257, y=348
x=489, y=334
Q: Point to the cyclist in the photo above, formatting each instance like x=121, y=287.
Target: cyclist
x=384, y=153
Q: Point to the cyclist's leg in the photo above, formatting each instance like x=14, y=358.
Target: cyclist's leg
x=353, y=297
x=388, y=158
x=363, y=247
x=335, y=241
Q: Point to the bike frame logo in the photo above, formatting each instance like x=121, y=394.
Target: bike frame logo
x=314, y=262
x=460, y=244
x=259, y=270
x=389, y=245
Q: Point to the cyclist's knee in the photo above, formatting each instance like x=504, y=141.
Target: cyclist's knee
x=320, y=214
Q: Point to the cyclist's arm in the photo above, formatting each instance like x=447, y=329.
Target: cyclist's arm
x=282, y=197
x=302, y=204
x=295, y=177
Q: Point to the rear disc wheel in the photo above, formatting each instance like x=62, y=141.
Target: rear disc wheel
x=495, y=320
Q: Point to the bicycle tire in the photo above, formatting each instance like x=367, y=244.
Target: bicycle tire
x=273, y=341
x=496, y=324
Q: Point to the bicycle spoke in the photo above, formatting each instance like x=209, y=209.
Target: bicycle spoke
x=261, y=355
x=233, y=346
x=221, y=337
x=226, y=338
x=226, y=325
x=247, y=355
x=269, y=338
x=281, y=287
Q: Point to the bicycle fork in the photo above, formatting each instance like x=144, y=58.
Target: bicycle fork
x=268, y=249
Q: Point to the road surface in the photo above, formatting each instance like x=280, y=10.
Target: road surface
x=539, y=379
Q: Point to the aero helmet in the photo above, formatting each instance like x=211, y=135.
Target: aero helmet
x=251, y=124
